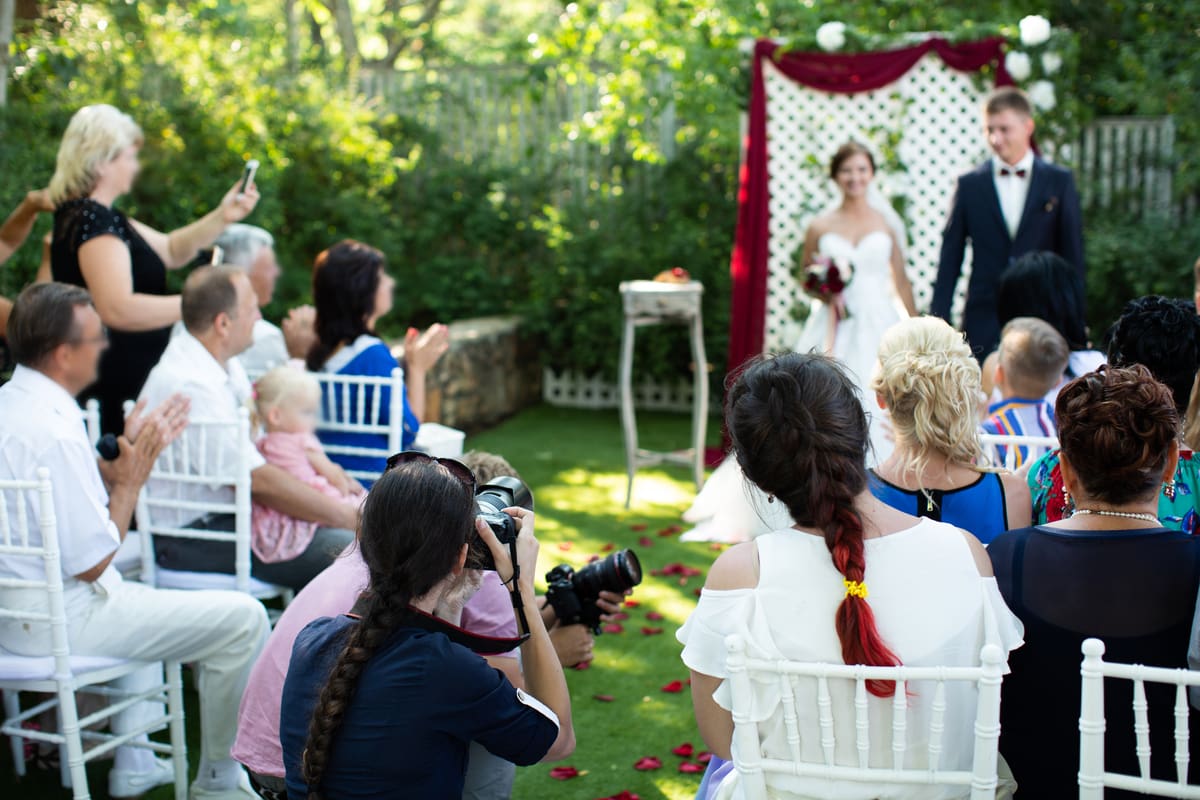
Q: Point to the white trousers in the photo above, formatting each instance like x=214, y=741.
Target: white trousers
x=220, y=633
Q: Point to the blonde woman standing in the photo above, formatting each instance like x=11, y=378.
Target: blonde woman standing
x=120, y=261
x=929, y=382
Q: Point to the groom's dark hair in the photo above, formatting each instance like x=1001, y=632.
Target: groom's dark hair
x=1008, y=98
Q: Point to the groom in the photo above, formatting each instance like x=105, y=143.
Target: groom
x=1010, y=205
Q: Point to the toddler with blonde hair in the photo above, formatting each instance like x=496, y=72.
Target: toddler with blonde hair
x=287, y=400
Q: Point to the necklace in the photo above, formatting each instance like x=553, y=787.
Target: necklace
x=1126, y=514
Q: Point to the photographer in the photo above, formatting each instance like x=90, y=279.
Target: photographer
x=391, y=678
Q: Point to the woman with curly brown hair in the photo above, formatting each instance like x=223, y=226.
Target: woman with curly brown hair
x=1110, y=570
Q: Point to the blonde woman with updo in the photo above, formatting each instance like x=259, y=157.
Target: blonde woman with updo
x=929, y=382
x=122, y=263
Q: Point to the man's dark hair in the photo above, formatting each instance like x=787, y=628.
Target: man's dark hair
x=43, y=319
x=1163, y=335
x=208, y=291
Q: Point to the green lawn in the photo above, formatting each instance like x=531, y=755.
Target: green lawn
x=574, y=461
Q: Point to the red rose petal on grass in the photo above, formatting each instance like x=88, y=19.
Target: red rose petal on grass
x=613, y=627
x=696, y=591
x=654, y=616
x=684, y=750
x=624, y=795
x=688, y=766
x=619, y=616
x=564, y=546
x=639, y=527
x=704, y=757
x=647, y=631
x=582, y=665
x=671, y=530
x=564, y=773
x=603, y=698
x=593, y=559
x=647, y=762
x=717, y=546
x=674, y=687
x=608, y=548
x=632, y=604
x=645, y=541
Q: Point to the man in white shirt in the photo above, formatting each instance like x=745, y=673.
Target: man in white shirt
x=219, y=312
x=252, y=250
x=56, y=338
x=1012, y=204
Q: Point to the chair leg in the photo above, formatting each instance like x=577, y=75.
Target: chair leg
x=178, y=737
x=12, y=707
x=68, y=717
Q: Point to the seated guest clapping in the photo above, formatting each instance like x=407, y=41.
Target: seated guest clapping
x=56, y=338
x=1032, y=358
x=929, y=382
x=854, y=581
x=352, y=292
x=386, y=696
x=1111, y=570
x=219, y=312
x=1162, y=335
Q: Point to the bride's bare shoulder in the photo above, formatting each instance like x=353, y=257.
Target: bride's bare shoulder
x=820, y=225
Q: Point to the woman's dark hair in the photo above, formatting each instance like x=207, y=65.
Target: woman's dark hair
x=850, y=148
x=345, y=279
x=415, y=520
x=1116, y=426
x=1163, y=335
x=1044, y=285
x=799, y=433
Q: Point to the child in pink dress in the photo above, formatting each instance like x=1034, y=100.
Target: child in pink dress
x=286, y=405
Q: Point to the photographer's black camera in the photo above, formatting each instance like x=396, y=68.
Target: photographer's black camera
x=573, y=593
x=491, y=499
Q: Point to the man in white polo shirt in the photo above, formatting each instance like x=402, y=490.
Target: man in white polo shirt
x=220, y=310
x=56, y=339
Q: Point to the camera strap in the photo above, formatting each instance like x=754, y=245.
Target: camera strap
x=515, y=591
x=416, y=618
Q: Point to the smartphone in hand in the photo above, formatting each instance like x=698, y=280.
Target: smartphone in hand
x=247, y=176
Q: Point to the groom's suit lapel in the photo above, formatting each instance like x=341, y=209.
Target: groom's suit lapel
x=1037, y=187
x=991, y=198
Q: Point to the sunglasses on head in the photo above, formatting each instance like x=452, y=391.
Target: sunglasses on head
x=455, y=468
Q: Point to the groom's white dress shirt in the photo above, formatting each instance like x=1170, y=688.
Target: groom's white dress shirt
x=1012, y=189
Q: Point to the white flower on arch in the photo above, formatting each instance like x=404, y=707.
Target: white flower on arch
x=1035, y=30
x=831, y=36
x=1018, y=65
x=1041, y=93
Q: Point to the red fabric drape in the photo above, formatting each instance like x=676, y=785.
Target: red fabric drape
x=845, y=73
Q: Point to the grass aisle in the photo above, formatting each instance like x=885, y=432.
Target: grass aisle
x=574, y=462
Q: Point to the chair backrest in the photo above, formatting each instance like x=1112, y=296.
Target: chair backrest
x=91, y=419
x=17, y=499
x=753, y=766
x=1002, y=449
x=1092, y=776
x=196, y=475
x=349, y=404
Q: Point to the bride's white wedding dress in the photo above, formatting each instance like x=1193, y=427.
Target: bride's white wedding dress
x=730, y=508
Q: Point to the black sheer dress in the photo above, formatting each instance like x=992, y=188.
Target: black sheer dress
x=130, y=356
x=1134, y=589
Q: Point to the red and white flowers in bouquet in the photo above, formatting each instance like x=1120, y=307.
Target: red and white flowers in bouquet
x=825, y=279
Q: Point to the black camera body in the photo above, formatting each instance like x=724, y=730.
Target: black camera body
x=573, y=593
x=490, y=501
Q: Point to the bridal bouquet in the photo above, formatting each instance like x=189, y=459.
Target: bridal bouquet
x=825, y=279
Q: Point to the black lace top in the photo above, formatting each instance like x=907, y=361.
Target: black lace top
x=130, y=356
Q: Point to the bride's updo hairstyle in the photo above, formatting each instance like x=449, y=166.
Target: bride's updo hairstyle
x=850, y=148
x=930, y=383
x=1116, y=426
x=800, y=434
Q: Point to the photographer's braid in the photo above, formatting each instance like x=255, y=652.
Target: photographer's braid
x=414, y=523
x=800, y=434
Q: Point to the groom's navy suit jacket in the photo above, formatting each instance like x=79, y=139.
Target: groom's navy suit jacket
x=1051, y=221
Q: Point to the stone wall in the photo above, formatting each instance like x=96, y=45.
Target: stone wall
x=491, y=372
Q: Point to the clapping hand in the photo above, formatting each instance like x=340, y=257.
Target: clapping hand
x=145, y=437
x=171, y=418
x=422, y=350
x=39, y=199
x=237, y=205
x=299, y=330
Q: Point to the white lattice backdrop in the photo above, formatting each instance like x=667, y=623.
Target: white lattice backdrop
x=936, y=112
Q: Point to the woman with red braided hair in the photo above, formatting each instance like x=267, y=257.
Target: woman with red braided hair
x=853, y=581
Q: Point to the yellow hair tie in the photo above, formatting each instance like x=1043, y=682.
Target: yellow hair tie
x=855, y=588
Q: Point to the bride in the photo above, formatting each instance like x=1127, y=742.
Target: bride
x=865, y=230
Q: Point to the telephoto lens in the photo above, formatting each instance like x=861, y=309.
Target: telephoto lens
x=573, y=593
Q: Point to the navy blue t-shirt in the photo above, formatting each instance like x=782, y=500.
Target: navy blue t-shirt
x=420, y=701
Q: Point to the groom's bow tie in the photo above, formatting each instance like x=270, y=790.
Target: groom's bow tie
x=1005, y=172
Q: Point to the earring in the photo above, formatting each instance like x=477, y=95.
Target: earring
x=770, y=498
x=1169, y=490
x=1068, y=504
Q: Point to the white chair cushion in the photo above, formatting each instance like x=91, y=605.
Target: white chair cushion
x=40, y=668
x=183, y=579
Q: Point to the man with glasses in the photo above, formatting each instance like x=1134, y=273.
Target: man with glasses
x=56, y=338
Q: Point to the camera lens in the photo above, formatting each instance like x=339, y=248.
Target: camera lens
x=616, y=573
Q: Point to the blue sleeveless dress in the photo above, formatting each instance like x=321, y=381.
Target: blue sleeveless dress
x=978, y=507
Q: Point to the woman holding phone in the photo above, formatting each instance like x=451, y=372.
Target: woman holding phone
x=120, y=261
